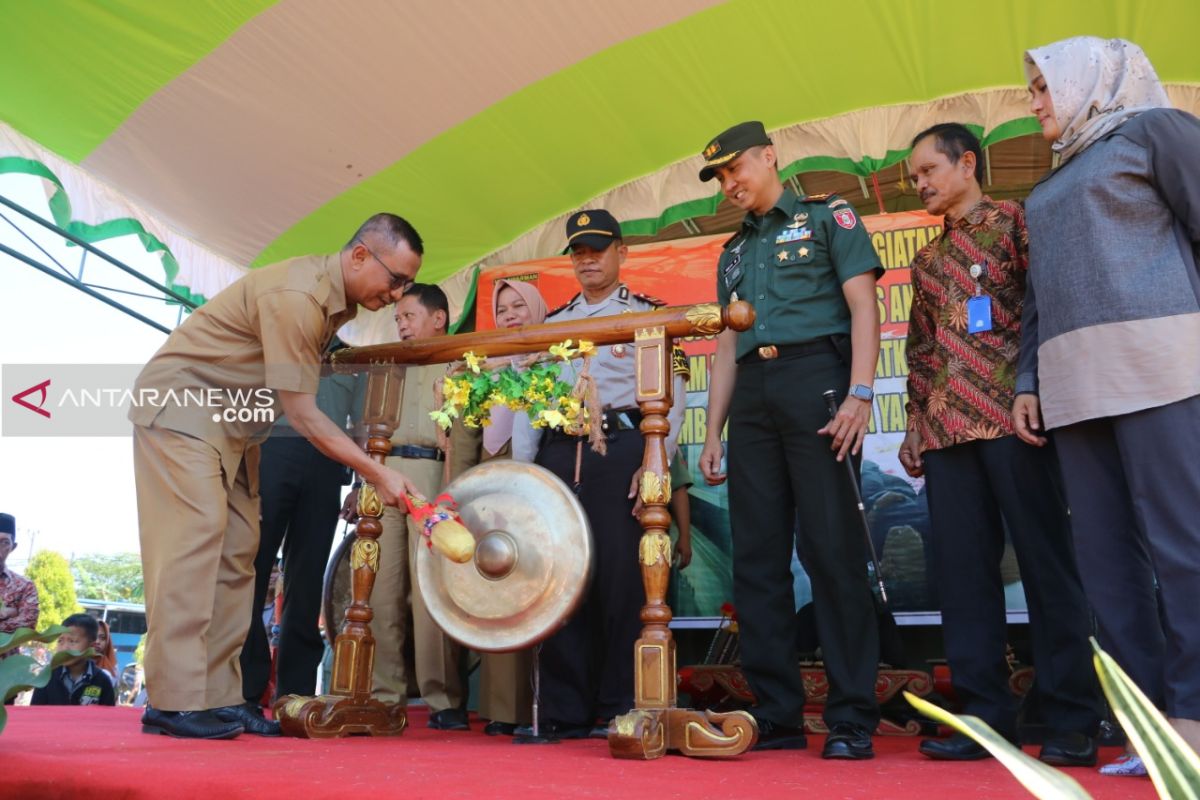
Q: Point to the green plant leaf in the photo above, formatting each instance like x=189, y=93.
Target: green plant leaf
x=23, y=636
x=1173, y=765
x=1040, y=779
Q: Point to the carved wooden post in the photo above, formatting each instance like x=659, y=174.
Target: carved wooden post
x=349, y=707
x=655, y=725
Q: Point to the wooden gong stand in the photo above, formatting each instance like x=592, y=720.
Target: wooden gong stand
x=655, y=726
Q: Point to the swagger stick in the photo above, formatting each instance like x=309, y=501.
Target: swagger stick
x=830, y=396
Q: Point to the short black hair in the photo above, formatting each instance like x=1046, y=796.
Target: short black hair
x=952, y=139
x=392, y=229
x=85, y=621
x=430, y=296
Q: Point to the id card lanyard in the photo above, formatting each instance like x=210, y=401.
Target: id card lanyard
x=979, y=307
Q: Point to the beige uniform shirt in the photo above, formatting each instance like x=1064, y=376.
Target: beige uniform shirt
x=216, y=375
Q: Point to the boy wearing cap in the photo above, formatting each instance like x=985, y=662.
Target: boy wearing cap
x=808, y=268
x=17, y=593
x=587, y=667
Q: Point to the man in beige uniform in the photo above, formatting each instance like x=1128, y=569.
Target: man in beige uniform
x=201, y=406
x=422, y=313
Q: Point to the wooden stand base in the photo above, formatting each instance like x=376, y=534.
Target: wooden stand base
x=328, y=716
x=647, y=733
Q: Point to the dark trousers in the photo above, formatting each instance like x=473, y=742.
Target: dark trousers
x=300, y=490
x=587, y=666
x=973, y=489
x=1133, y=482
x=781, y=470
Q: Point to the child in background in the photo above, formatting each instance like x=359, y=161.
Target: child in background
x=78, y=682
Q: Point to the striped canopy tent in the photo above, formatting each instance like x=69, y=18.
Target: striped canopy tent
x=231, y=134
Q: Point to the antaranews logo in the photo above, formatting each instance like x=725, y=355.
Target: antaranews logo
x=41, y=388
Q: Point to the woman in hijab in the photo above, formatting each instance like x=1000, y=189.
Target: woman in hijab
x=1110, y=352
x=504, y=691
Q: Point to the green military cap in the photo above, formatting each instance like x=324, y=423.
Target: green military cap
x=729, y=145
x=595, y=228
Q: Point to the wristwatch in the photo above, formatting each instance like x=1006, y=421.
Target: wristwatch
x=862, y=392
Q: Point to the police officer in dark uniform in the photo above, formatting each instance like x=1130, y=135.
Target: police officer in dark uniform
x=587, y=667
x=808, y=267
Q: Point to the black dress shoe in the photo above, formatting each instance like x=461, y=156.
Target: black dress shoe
x=600, y=731
x=449, y=719
x=958, y=747
x=1069, y=750
x=495, y=728
x=849, y=741
x=773, y=736
x=250, y=717
x=552, y=730
x=188, y=724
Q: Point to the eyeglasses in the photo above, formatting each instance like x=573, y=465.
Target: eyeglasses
x=401, y=282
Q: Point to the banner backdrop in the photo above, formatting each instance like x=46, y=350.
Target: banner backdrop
x=683, y=272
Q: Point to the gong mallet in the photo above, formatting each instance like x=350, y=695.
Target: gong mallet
x=830, y=396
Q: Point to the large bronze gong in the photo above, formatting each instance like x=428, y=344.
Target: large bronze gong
x=532, y=564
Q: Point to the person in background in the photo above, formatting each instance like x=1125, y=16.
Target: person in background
x=963, y=336
x=106, y=654
x=17, y=593
x=505, y=694
x=1110, y=353
x=78, y=682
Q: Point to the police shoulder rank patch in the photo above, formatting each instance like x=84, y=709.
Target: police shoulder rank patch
x=654, y=301
x=845, y=218
x=563, y=307
x=679, y=363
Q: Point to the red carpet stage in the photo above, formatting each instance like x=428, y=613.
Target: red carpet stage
x=100, y=753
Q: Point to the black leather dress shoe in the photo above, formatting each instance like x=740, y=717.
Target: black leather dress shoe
x=552, y=731
x=495, y=728
x=188, y=724
x=958, y=747
x=449, y=719
x=1069, y=750
x=250, y=717
x=848, y=741
x=773, y=736
x=600, y=731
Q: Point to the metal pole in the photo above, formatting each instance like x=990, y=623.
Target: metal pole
x=830, y=396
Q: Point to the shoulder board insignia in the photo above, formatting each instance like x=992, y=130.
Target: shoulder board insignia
x=654, y=301
x=725, y=245
x=563, y=307
x=816, y=198
x=623, y=293
x=679, y=363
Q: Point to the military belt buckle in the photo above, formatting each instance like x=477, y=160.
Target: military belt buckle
x=768, y=352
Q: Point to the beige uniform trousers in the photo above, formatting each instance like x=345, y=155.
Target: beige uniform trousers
x=198, y=538
x=438, y=657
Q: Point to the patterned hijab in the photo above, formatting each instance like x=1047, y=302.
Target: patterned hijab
x=500, y=431
x=1096, y=85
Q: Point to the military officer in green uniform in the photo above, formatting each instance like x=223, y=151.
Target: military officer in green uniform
x=808, y=268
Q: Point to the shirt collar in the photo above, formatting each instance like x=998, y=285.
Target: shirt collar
x=335, y=303
x=783, y=205
x=975, y=214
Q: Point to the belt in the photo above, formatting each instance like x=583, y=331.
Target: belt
x=414, y=451
x=770, y=352
x=616, y=419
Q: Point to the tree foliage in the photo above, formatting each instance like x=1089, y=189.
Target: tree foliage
x=55, y=587
x=109, y=577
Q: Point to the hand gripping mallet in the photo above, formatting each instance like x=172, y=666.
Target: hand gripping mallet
x=830, y=396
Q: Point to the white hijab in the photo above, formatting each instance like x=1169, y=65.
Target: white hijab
x=1095, y=84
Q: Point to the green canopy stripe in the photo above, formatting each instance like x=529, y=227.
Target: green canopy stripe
x=104, y=60
x=675, y=82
